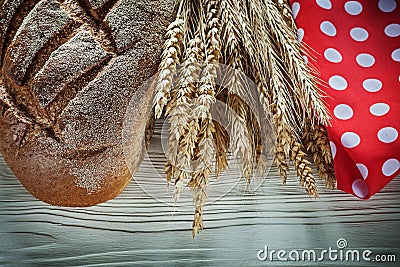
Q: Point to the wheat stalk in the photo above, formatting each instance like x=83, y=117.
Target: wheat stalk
x=243, y=143
x=206, y=97
x=317, y=143
x=206, y=90
x=259, y=160
x=304, y=171
x=181, y=150
x=270, y=69
x=257, y=39
x=283, y=138
x=305, y=86
x=199, y=198
x=240, y=140
x=170, y=59
x=222, y=142
x=286, y=13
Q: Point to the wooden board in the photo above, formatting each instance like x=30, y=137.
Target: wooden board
x=142, y=228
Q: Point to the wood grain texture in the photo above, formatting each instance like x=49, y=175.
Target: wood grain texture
x=135, y=229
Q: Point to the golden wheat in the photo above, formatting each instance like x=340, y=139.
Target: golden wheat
x=317, y=143
x=257, y=40
x=170, y=58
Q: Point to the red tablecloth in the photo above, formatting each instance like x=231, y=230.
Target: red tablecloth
x=357, y=51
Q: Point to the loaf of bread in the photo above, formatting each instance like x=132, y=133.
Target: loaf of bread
x=69, y=69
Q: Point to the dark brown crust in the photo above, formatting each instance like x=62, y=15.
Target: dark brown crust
x=48, y=178
x=12, y=16
x=69, y=152
x=49, y=173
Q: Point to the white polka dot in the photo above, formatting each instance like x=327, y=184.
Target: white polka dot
x=353, y=7
x=295, y=9
x=333, y=55
x=372, y=85
x=305, y=58
x=343, y=112
x=338, y=82
x=365, y=60
x=388, y=135
x=328, y=28
x=300, y=34
x=379, y=109
x=387, y=5
x=390, y=167
x=363, y=170
x=326, y=4
x=359, y=34
x=350, y=139
x=396, y=55
x=360, y=188
x=392, y=30
x=333, y=148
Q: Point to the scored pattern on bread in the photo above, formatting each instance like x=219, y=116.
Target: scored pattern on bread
x=8, y=107
x=92, y=106
x=75, y=57
x=96, y=4
x=12, y=13
x=71, y=89
x=97, y=8
x=71, y=67
x=43, y=29
x=129, y=26
x=41, y=25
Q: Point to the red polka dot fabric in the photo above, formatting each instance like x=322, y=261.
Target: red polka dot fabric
x=357, y=52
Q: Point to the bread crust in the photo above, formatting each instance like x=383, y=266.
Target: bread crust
x=69, y=71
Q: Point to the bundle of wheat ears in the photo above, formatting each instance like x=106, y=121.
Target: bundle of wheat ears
x=259, y=39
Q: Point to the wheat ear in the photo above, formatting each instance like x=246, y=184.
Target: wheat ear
x=304, y=171
x=304, y=84
x=270, y=69
x=317, y=143
x=222, y=142
x=283, y=139
x=243, y=142
x=257, y=38
x=199, y=198
x=286, y=13
x=206, y=97
x=171, y=57
x=183, y=135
